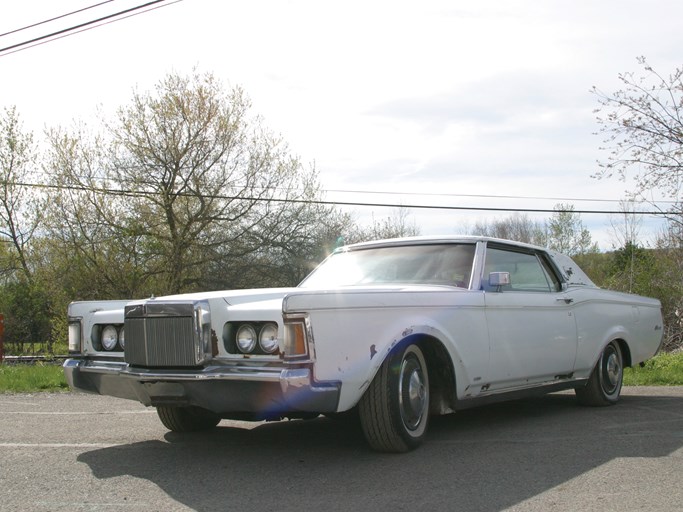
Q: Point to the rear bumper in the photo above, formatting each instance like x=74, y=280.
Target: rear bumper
x=262, y=392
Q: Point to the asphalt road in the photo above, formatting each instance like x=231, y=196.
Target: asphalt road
x=81, y=452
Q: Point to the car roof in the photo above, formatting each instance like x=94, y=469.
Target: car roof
x=421, y=240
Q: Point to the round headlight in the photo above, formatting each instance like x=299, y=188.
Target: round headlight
x=122, y=339
x=267, y=338
x=109, y=337
x=246, y=338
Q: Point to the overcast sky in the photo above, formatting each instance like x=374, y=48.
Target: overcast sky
x=421, y=102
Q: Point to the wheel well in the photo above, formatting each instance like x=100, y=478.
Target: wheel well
x=441, y=373
x=625, y=352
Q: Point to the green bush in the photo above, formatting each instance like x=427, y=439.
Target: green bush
x=26, y=308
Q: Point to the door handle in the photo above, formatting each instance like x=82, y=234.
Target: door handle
x=566, y=300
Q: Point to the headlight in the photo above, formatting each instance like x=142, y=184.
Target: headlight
x=268, y=338
x=246, y=338
x=109, y=337
x=122, y=340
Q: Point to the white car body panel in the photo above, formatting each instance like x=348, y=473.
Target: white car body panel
x=532, y=335
x=372, y=322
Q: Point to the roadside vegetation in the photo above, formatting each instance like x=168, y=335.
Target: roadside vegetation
x=23, y=378
x=662, y=370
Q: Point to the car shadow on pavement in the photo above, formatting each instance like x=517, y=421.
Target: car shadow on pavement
x=484, y=459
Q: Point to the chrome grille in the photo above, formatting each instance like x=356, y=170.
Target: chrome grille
x=164, y=334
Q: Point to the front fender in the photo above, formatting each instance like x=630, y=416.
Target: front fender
x=427, y=334
x=354, y=332
x=358, y=361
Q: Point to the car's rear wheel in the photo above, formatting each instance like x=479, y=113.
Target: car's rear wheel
x=394, y=410
x=604, y=384
x=187, y=419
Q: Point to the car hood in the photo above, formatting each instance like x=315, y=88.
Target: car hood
x=234, y=297
x=271, y=299
x=302, y=299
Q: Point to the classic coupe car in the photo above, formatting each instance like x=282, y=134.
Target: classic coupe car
x=390, y=331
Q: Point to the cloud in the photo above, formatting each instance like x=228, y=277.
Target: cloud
x=497, y=101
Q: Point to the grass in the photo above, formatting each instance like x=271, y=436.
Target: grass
x=666, y=369
x=32, y=378
x=663, y=370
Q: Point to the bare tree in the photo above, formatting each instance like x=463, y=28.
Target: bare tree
x=94, y=247
x=184, y=190
x=642, y=125
x=625, y=229
x=395, y=225
x=626, y=226
x=23, y=298
x=566, y=232
x=19, y=208
x=516, y=226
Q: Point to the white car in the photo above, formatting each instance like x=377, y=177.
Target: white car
x=393, y=331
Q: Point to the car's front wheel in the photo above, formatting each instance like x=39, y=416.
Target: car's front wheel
x=187, y=419
x=394, y=410
x=604, y=384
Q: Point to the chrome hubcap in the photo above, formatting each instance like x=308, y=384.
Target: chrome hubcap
x=613, y=369
x=412, y=393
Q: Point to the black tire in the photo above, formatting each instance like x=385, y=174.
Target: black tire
x=604, y=384
x=394, y=411
x=187, y=419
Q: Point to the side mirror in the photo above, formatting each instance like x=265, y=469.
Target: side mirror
x=499, y=279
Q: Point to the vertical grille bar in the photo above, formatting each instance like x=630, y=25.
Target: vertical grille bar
x=163, y=334
x=134, y=352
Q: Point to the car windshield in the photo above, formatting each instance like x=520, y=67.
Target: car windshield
x=444, y=264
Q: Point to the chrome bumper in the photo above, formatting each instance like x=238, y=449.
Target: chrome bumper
x=262, y=391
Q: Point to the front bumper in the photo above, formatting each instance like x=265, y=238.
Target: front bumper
x=262, y=392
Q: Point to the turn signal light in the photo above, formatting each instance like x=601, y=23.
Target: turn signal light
x=296, y=337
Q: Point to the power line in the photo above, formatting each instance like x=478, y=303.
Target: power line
x=55, y=18
x=320, y=202
x=432, y=194
x=83, y=27
x=487, y=196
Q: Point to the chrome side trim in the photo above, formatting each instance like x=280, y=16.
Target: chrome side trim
x=518, y=392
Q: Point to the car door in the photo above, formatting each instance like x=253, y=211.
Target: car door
x=532, y=329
